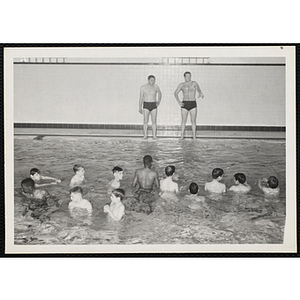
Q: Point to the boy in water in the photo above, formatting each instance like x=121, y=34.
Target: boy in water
x=145, y=178
x=36, y=176
x=167, y=184
x=193, y=189
x=41, y=203
x=79, y=206
x=240, y=184
x=115, y=183
x=195, y=202
x=78, y=178
x=215, y=186
x=270, y=187
x=116, y=209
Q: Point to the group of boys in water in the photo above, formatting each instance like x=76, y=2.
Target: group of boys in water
x=41, y=204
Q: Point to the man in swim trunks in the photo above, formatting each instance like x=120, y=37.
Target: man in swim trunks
x=148, y=104
x=188, y=105
x=144, y=198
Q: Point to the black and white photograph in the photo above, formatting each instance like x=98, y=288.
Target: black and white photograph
x=150, y=149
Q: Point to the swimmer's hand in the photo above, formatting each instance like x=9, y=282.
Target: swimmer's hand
x=140, y=111
x=106, y=208
x=181, y=103
x=201, y=96
x=54, y=182
x=58, y=181
x=264, y=180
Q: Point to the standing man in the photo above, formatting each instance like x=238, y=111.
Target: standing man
x=188, y=103
x=148, y=104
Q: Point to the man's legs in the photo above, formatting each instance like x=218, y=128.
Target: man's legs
x=193, y=121
x=184, y=115
x=153, y=118
x=146, y=119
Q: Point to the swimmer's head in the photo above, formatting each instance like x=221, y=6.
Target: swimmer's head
x=118, y=193
x=187, y=76
x=76, y=190
x=79, y=169
x=170, y=170
x=193, y=188
x=27, y=185
x=217, y=172
x=35, y=174
x=118, y=172
x=147, y=161
x=151, y=79
x=273, y=182
x=240, y=177
x=76, y=193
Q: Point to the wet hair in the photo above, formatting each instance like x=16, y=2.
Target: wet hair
x=170, y=170
x=273, y=182
x=147, y=160
x=34, y=171
x=194, y=188
x=217, y=172
x=119, y=193
x=76, y=190
x=151, y=76
x=187, y=72
x=77, y=167
x=117, y=169
x=240, y=177
x=28, y=182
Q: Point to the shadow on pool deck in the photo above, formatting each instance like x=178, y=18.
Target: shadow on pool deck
x=138, y=134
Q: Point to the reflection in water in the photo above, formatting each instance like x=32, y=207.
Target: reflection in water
x=221, y=219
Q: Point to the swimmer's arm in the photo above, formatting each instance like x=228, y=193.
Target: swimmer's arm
x=176, y=189
x=120, y=212
x=224, y=190
x=134, y=182
x=90, y=210
x=177, y=92
x=44, y=184
x=159, y=95
x=259, y=184
x=156, y=180
x=141, y=100
x=51, y=178
x=199, y=90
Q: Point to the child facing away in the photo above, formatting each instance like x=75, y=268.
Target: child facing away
x=167, y=186
x=215, y=186
x=240, y=184
x=78, y=178
x=39, y=202
x=116, y=209
x=115, y=183
x=193, y=189
x=269, y=186
x=36, y=176
x=79, y=206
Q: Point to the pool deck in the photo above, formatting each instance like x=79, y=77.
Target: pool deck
x=220, y=134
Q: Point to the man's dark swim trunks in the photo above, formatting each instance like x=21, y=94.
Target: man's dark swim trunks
x=188, y=105
x=150, y=105
x=143, y=201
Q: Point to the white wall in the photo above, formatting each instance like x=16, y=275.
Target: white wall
x=109, y=94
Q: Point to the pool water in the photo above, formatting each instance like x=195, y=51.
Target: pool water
x=223, y=219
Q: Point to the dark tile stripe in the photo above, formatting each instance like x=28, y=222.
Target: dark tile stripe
x=140, y=127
